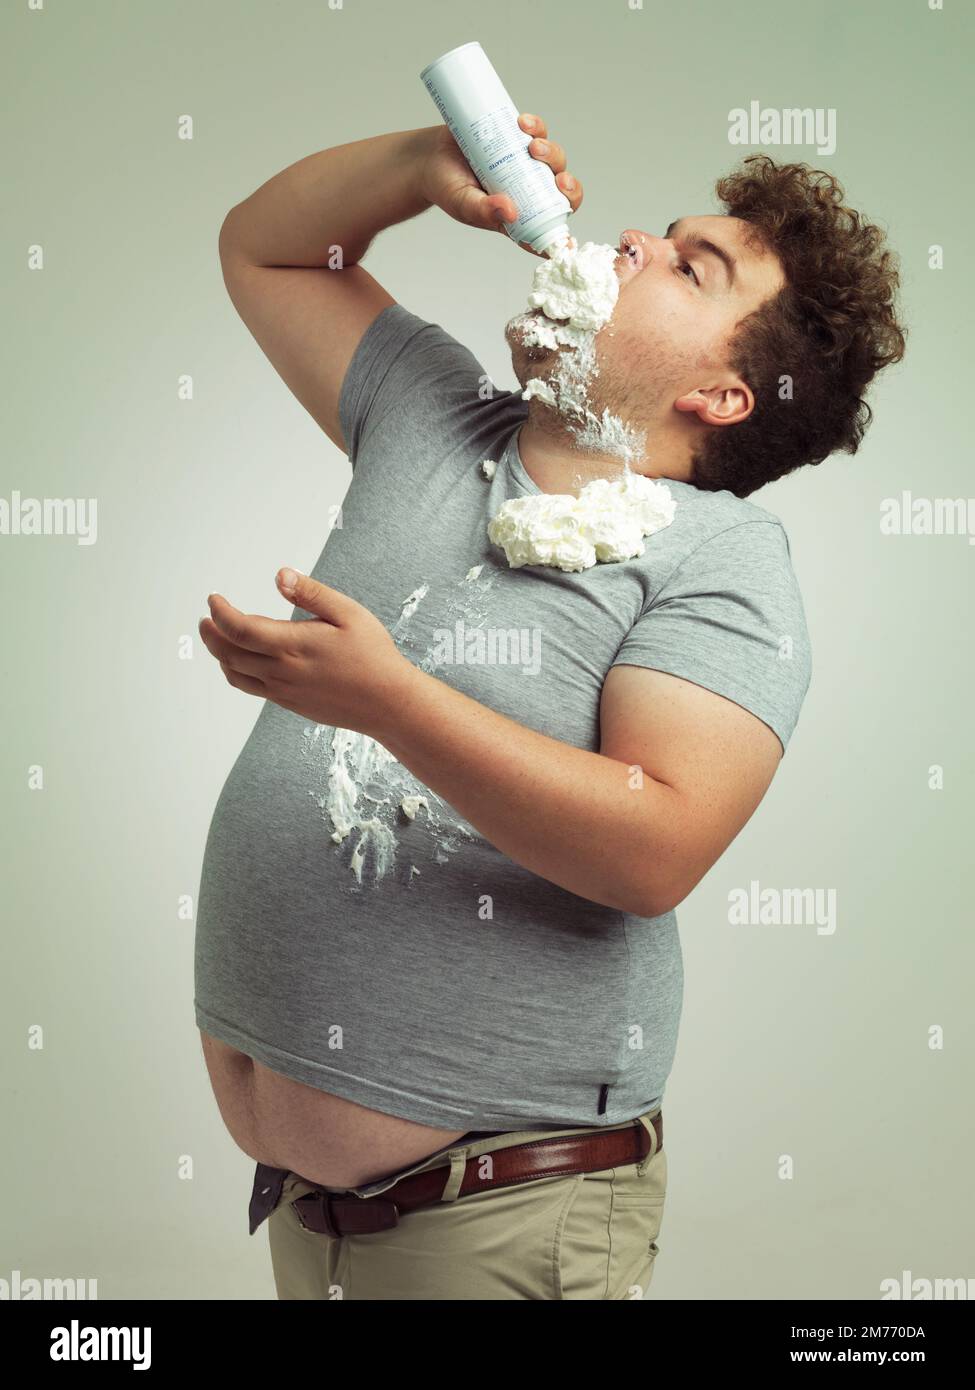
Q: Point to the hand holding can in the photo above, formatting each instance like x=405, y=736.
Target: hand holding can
x=525, y=185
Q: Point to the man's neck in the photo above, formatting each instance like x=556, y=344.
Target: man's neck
x=556, y=464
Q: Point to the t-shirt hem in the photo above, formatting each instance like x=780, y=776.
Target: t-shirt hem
x=391, y=1100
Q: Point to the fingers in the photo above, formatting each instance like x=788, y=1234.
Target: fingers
x=497, y=209
x=266, y=635
x=572, y=189
x=548, y=152
x=479, y=209
x=233, y=658
x=534, y=125
x=248, y=684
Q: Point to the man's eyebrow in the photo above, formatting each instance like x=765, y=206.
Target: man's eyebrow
x=701, y=243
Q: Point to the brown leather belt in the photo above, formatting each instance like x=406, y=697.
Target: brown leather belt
x=337, y=1214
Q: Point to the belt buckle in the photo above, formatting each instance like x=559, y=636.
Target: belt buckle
x=383, y=1209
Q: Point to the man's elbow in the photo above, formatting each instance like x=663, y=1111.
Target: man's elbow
x=646, y=901
x=223, y=239
x=657, y=898
x=654, y=906
x=229, y=241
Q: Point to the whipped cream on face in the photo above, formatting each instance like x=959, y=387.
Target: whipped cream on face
x=537, y=386
x=607, y=434
x=573, y=296
x=607, y=522
x=577, y=284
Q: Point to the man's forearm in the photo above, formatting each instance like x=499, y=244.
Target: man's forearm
x=341, y=196
x=571, y=816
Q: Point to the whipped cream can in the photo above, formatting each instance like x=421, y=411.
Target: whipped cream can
x=483, y=119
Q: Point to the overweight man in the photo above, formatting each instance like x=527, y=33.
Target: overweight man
x=438, y=972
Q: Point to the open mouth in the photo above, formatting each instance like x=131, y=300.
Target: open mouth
x=631, y=254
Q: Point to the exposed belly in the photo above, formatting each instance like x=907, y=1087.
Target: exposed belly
x=322, y=1137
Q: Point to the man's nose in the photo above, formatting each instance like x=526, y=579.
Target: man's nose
x=644, y=246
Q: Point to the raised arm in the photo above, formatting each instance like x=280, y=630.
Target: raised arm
x=290, y=257
x=290, y=252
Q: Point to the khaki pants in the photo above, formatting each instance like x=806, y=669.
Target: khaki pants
x=585, y=1235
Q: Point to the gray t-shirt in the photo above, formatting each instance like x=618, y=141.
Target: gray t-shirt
x=409, y=965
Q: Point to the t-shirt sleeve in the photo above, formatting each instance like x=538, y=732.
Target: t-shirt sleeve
x=404, y=368
x=731, y=618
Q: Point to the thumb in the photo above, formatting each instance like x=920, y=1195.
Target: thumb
x=500, y=208
x=306, y=593
x=479, y=209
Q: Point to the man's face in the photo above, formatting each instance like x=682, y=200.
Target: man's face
x=681, y=299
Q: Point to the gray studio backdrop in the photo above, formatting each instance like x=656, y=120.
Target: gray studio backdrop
x=818, y=1117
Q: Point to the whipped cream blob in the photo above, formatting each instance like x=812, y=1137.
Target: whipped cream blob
x=577, y=284
x=536, y=386
x=607, y=522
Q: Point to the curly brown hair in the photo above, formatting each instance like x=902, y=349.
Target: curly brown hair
x=830, y=329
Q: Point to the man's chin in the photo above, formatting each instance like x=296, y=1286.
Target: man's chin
x=528, y=371
x=527, y=360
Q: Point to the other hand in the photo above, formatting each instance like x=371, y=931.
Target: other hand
x=343, y=669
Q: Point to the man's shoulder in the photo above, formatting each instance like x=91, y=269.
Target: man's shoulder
x=709, y=524
x=717, y=510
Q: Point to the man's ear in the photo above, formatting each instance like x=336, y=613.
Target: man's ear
x=719, y=405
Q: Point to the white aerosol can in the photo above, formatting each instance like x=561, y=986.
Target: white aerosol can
x=483, y=119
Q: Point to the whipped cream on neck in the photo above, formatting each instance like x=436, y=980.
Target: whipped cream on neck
x=607, y=522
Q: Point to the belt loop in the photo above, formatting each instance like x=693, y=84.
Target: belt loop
x=458, y=1166
x=647, y=1123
